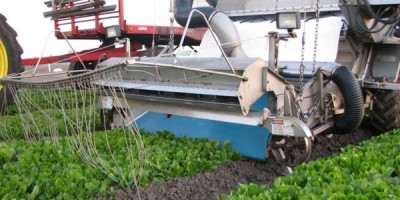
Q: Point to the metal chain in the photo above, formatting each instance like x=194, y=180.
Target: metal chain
x=303, y=50
x=303, y=117
x=317, y=16
x=171, y=42
x=302, y=67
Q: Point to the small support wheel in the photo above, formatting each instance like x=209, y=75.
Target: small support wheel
x=291, y=151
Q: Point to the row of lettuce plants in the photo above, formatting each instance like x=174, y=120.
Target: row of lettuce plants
x=370, y=170
x=43, y=170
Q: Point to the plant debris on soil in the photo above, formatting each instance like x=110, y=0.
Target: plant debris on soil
x=226, y=178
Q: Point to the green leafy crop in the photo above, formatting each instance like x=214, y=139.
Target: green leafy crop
x=40, y=170
x=43, y=123
x=368, y=171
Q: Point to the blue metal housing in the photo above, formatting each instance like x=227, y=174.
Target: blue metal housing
x=249, y=141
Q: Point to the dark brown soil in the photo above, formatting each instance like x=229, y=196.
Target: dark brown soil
x=227, y=178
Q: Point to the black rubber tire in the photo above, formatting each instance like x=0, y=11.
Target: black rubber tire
x=8, y=36
x=90, y=65
x=386, y=110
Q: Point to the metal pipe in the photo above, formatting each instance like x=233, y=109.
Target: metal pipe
x=133, y=62
x=222, y=26
x=368, y=64
x=128, y=47
x=212, y=33
x=121, y=14
x=86, y=20
x=171, y=5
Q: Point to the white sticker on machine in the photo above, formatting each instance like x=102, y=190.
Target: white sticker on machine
x=282, y=127
x=106, y=102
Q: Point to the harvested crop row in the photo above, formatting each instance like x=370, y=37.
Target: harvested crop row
x=368, y=171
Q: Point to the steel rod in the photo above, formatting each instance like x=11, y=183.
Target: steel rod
x=132, y=62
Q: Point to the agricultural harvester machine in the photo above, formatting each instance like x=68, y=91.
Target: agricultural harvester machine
x=269, y=75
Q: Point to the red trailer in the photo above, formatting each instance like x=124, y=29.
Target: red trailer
x=77, y=13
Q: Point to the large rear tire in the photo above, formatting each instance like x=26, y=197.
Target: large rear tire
x=10, y=59
x=386, y=110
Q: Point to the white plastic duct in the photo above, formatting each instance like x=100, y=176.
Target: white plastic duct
x=254, y=40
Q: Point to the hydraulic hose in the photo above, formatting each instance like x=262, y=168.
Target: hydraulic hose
x=353, y=114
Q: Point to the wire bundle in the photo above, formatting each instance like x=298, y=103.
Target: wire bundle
x=382, y=17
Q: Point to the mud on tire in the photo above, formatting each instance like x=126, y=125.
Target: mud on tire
x=386, y=110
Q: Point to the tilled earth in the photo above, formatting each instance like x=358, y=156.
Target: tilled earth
x=226, y=178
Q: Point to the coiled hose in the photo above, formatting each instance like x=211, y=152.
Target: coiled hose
x=353, y=114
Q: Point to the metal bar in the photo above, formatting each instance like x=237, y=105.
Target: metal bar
x=254, y=118
x=176, y=90
x=368, y=62
x=133, y=62
x=128, y=47
x=73, y=24
x=273, y=50
x=86, y=20
x=380, y=85
x=321, y=95
x=44, y=75
x=322, y=128
x=86, y=12
x=102, y=13
x=73, y=8
x=62, y=58
x=66, y=39
x=121, y=12
x=97, y=21
x=55, y=2
x=212, y=33
x=198, y=103
x=383, y=2
x=41, y=55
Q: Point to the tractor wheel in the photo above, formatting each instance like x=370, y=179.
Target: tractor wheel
x=10, y=59
x=73, y=66
x=386, y=110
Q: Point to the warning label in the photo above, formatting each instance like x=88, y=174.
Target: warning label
x=282, y=127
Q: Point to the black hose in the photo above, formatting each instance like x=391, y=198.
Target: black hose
x=353, y=114
x=184, y=7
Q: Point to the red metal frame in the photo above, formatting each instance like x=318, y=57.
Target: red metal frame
x=92, y=33
x=129, y=30
x=138, y=34
x=86, y=55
